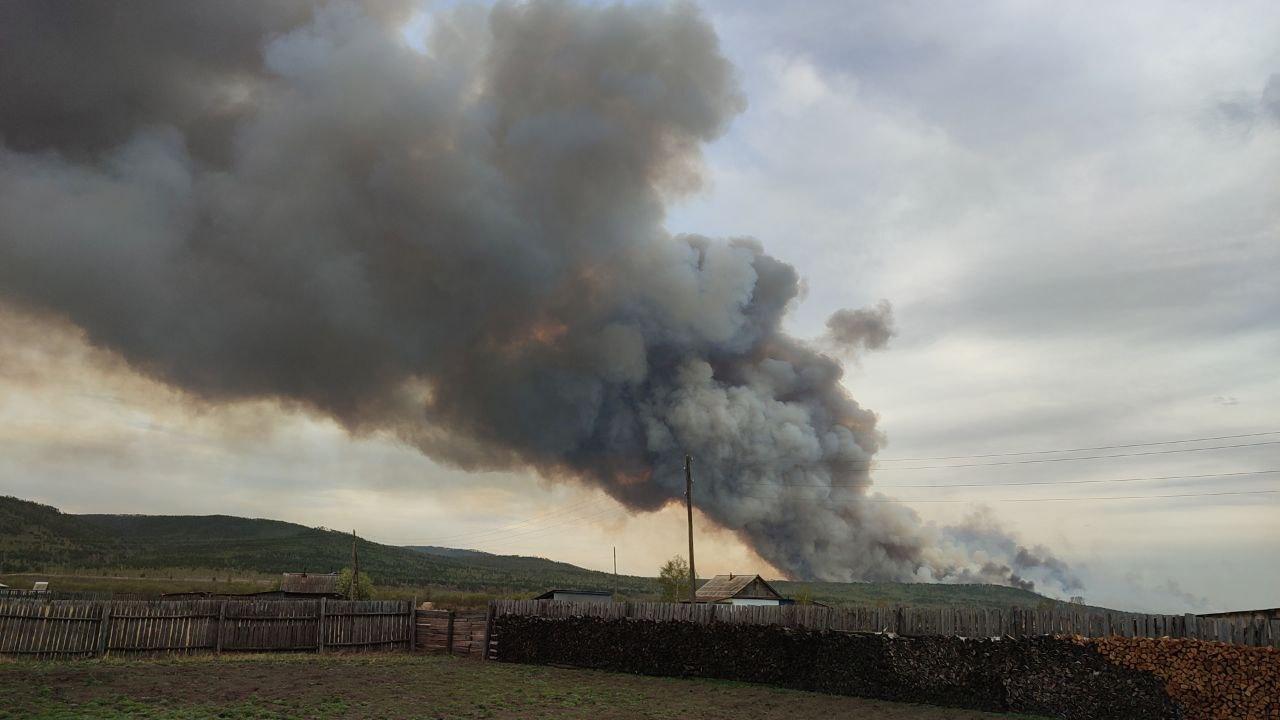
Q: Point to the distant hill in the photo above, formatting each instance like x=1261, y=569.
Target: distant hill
x=36, y=537
x=449, y=552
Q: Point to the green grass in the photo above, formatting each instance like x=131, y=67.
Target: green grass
x=364, y=687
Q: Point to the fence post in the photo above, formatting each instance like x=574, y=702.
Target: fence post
x=412, y=631
x=320, y=620
x=222, y=617
x=104, y=628
x=449, y=635
x=488, y=631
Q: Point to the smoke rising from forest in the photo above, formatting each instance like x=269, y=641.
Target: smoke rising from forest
x=464, y=246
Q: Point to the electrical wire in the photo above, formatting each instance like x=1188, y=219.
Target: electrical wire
x=1081, y=457
x=562, y=521
x=1023, y=500
x=1080, y=449
x=556, y=513
x=569, y=514
x=879, y=485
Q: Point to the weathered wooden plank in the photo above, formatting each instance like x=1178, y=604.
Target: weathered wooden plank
x=104, y=629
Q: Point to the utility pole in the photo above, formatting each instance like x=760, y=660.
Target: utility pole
x=615, y=573
x=355, y=568
x=688, y=504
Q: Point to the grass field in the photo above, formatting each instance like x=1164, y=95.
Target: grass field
x=275, y=687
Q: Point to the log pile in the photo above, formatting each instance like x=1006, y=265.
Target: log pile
x=1048, y=676
x=1209, y=680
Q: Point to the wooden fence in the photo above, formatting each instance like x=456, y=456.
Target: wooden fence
x=967, y=622
x=48, y=629
x=453, y=632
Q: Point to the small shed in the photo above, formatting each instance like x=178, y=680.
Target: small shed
x=305, y=585
x=740, y=590
x=1245, y=615
x=582, y=596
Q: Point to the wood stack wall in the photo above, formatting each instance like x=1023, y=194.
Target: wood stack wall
x=900, y=620
x=455, y=633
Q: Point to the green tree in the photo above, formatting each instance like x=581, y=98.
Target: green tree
x=674, y=579
x=363, y=588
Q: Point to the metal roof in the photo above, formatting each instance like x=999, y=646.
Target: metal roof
x=723, y=587
x=550, y=594
x=313, y=584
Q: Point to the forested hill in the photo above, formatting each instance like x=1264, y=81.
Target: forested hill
x=36, y=537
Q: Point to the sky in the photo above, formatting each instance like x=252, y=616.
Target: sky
x=1073, y=212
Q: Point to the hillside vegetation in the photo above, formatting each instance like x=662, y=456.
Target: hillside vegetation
x=35, y=537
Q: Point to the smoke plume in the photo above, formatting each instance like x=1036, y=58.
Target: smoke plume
x=861, y=329
x=462, y=245
x=1271, y=98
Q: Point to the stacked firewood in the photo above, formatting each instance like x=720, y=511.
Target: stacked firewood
x=1045, y=676
x=1209, y=680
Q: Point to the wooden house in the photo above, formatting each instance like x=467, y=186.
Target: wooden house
x=740, y=590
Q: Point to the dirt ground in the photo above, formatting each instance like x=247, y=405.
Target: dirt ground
x=272, y=687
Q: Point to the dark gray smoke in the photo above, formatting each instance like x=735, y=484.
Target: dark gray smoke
x=1002, y=557
x=1248, y=111
x=464, y=246
x=862, y=329
x=1271, y=98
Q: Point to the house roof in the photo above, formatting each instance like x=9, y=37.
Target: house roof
x=313, y=584
x=723, y=587
x=550, y=594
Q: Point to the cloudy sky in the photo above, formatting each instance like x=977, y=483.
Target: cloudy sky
x=1074, y=213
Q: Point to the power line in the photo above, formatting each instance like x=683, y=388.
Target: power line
x=567, y=514
x=1013, y=484
x=505, y=536
x=476, y=535
x=607, y=512
x=618, y=511
x=1026, y=500
x=472, y=535
x=1082, y=457
x=1145, y=497
x=1080, y=449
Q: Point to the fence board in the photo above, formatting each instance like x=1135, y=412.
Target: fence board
x=44, y=628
